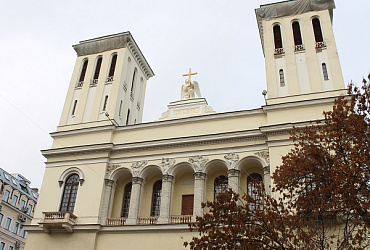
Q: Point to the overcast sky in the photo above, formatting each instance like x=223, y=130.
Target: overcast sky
x=217, y=38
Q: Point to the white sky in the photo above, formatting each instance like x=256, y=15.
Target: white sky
x=219, y=39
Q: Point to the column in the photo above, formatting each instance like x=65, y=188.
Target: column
x=199, y=185
x=267, y=179
x=166, y=197
x=233, y=179
x=106, y=201
x=133, y=212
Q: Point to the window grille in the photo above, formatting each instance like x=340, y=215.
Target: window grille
x=69, y=194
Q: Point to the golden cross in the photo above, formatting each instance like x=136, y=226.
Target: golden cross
x=189, y=74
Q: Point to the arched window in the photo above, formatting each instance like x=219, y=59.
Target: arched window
x=317, y=30
x=282, y=79
x=220, y=185
x=69, y=193
x=156, y=198
x=105, y=103
x=74, y=107
x=325, y=72
x=112, y=65
x=255, y=189
x=133, y=81
x=82, y=73
x=297, y=33
x=126, y=200
x=97, y=69
x=277, y=37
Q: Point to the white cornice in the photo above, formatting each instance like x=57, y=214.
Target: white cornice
x=196, y=119
x=85, y=149
x=301, y=103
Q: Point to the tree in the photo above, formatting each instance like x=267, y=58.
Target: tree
x=234, y=223
x=326, y=177
x=324, y=185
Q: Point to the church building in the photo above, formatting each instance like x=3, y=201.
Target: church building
x=113, y=181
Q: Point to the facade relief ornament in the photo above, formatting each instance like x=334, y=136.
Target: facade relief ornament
x=137, y=167
x=198, y=162
x=232, y=159
x=166, y=164
x=110, y=169
x=264, y=154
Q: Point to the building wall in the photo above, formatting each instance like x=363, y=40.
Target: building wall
x=19, y=212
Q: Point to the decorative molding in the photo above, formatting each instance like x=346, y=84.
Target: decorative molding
x=264, y=154
x=232, y=159
x=198, y=162
x=108, y=182
x=233, y=173
x=167, y=178
x=166, y=164
x=199, y=175
x=110, y=169
x=137, y=167
x=137, y=180
x=68, y=172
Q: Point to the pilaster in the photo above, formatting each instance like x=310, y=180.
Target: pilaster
x=199, y=185
x=106, y=201
x=166, y=198
x=233, y=176
x=135, y=198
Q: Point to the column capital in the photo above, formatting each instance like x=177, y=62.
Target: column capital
x=167, y=178
x=266, y=170
x=108, y=182
x=137, y=180
x=233, y=172
x=199, y=175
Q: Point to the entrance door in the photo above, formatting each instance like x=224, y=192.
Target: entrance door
x=187, y=204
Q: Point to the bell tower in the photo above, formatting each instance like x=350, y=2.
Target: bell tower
x=300, y=52
x=108, y=81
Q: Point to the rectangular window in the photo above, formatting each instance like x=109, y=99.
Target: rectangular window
x=7, y=223
x=23, y=233
x=14, y=200
x=2, y=245
x=21, y=206
x=1, y=219
x=29, y=209
x=6, y=195
x=15, y=228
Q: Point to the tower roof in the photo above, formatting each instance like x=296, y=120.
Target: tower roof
x=290, y=8
x=111, y=42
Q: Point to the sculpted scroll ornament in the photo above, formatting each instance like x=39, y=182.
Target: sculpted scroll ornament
x=137, y=167
x=166, y=164
x=110, y=169
x=232, y=159
x=198, y=162
x=264, y=154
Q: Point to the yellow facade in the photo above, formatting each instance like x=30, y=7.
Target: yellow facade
x=186, y=155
